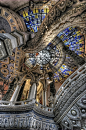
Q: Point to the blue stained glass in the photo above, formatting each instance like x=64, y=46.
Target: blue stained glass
x=28, y=13
x=55, y=64
x=42, y=11
x=21, y=15
x=39, y=10
x=35, y=16
x=71, y=36
x=35, y=29
x=28, y=26
x=43, y=16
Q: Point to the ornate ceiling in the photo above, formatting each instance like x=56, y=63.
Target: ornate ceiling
x=57, y=50
x=59, y=41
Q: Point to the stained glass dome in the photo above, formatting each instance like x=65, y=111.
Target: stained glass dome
x=67, y=68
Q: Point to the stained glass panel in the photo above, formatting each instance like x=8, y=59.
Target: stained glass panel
x=33, y=17
x=67, y=68
x=73, y=39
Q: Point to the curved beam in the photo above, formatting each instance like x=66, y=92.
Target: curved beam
x=78, y=59
x=55, y=23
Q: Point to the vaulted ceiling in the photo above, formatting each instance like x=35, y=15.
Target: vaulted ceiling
x=71, y=36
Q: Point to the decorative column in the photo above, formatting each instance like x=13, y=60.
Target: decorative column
x=85, y=45
x=44, y=97
x=32, y=92
x=16, y=93
x=44, y=91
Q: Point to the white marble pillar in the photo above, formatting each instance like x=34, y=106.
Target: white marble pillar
x=45, y=103
x=44, y=97
x=33, y=90
x=16, y=93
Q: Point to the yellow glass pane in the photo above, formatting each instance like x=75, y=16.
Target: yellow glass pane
x=78, y=32
x=70, y=28
x=36, y=10
x=61, y=36
x=26, y=14
x=65, y=41
x=80, y=41
x=81, y=49
x=23, y=14
x=36, y=16
x=74, y=35
x=27, y=19
x=76, y=42
x=45, y=11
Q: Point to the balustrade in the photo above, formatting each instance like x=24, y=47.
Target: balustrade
x=25, y=103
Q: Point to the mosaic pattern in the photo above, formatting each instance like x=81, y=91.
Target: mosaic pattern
x=7, y=67
x=65, y=70
x=73, y=39
x=33, y=18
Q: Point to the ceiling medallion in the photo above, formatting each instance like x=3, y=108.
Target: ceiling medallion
x=43, y=57
x=52, y=56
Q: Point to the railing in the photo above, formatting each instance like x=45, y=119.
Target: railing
x=43, y=107
x=70, y=80
x=12, y=104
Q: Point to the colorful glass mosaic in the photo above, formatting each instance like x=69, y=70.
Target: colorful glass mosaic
x=63, y=72
x=33, y=18
x=57, y=77
x=73, y=39
x=67, y=68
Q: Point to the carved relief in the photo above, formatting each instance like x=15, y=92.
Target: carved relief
x=10, y=21
x=76, y=115
x=28, y=120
